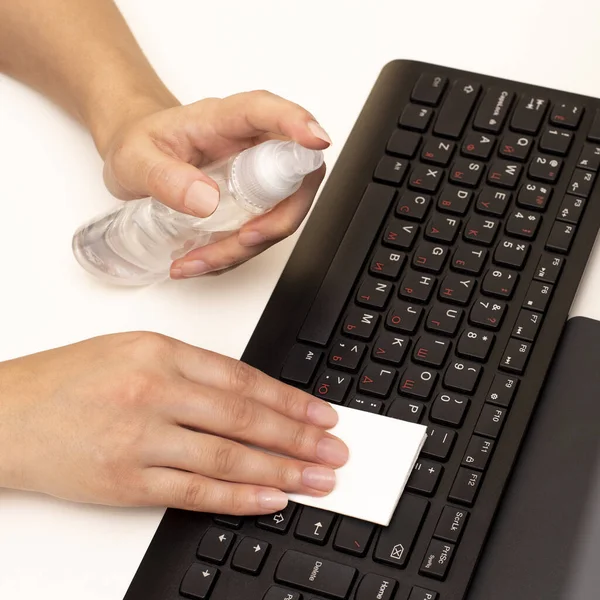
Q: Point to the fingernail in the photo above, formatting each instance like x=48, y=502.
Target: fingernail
x=319, y=478
x=176, y=273
x=193, y=268
x=251, y=238
x=202, y=199
x=318, y=131
x=272, y=500
x=333, y=452
x=322, y=414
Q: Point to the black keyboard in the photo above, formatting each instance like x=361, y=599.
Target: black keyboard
x=431, y=284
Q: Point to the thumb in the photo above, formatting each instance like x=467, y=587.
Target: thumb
x=173, y=182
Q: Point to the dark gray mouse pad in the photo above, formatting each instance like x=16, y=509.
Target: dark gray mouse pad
x=545, y=543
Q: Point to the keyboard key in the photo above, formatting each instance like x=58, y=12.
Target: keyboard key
x=366, y=404
x=478, y=145
x=406, y=410
x=499, y=283
x=527, y=325
x=429, y=89
x=504, y=174
x=391, y=170
x=346, y=354
x=419, y=593
x=502, y=390
x=449, y=409
x=198, y=581
x=443, y=319
x=301, y=364
x=333, y=293
x=415, y=117
x=456, y=109
x=390, y=348
x=437, y=559
x=544, y=168
x=549, y=268
x=589, y=158
x=556, y=141
x=396, y=541
x=317, y=575
x=276, y=592
x=466, y=172
x=353, y=536
x=581, y=183
x=465, y=487
x=429, y=257
x=230, y=521
x=594, y=132
x=511, y=253
x=478, y=453
x=534, y=196
x=431, y=351
x=538, y=296
x=523, y=224
x=515, y=356
x=425, y=178
x=529, y=114
x=475, y=344
x=403, y=143
x=376, y=380
x=462, y=376
x=566, y=115
x=400, y=234
x=373, y=293
x=215, y=545
x=490, y=421
x=454, y=200
x=457, y=289
x=417, y=382
x=487, y=313
x=314, y=525
x=278, y=522
x=425, y=477
x=376, y=587
x=481, y=230
x=417, y=286
x=493, y=201
x=413, y=206
x=360, y=323
x=493, y=110
x=515, y=147
x=333, y=386
x=404, y=317
x=387, y=263
x=442, y=229
x=469, y=260
x=451, y=524
x=250, y=555
x=439, y=443
x=561, y=237
x=438, y=152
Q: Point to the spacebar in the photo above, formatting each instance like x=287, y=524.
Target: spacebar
x=331, y=297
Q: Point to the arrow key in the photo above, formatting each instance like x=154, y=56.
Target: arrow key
x=314, y=525
x=278, y=522
x=250, y=555
x=198, y=581
x=215, y=545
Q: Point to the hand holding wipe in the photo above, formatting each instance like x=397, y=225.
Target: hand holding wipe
x=136, y=244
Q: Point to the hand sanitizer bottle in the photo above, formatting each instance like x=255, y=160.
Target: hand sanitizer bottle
x=136, y=244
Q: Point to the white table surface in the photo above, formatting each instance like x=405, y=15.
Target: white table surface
x=324, y=55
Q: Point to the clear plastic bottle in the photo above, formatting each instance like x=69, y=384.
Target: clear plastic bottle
x=136, y=244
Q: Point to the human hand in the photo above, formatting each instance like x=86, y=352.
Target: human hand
x=141, y=419
x=161, y=154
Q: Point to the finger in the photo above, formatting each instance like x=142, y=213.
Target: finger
x=150, y=172
x=238, y=418
x=236, y=377
x=223, y=459
x=189, y=491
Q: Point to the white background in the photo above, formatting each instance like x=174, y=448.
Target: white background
x=324, y=55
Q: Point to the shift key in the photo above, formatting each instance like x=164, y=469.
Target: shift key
x=318, y=575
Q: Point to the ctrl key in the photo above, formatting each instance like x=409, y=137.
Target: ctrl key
x=199, y=581
x=437, y=559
